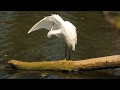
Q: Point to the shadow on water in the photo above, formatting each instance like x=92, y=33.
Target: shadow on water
x=10, y=73
x=96, y=38
x=23, y=74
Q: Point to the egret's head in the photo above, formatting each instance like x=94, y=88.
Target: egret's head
x=49, y=34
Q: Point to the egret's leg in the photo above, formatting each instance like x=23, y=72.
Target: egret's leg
x=69, y=53
x=65, y=51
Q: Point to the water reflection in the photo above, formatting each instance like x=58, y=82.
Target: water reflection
x=96, y=38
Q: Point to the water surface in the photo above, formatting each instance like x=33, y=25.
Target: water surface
x=96, y=38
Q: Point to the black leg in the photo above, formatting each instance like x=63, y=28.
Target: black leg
x=65, y=51
x=69, y=53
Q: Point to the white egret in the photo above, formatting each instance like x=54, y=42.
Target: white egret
x=60, y=28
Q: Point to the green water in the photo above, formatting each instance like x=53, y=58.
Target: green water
x=96, y=38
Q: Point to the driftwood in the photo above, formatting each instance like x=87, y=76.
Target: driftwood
x=65, y=65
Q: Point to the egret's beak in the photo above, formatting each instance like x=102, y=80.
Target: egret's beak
x=52, y=27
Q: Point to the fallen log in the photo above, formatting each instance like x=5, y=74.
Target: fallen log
x=69, y=65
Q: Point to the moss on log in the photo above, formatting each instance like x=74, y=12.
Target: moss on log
x=64, y=65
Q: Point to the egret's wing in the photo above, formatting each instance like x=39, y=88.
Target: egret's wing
x=46, y=23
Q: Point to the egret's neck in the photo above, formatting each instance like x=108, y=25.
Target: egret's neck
x=58, y=20
x=53, y=32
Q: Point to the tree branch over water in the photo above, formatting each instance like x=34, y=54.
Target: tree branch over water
x=115, y=22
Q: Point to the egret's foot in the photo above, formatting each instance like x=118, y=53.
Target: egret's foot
x=65, y=59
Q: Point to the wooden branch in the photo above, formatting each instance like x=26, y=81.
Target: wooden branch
x=111, y=20
x=64, y=65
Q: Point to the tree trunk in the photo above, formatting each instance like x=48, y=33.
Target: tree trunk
x=64, y=65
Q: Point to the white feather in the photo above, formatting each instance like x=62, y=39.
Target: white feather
x=60, y=28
